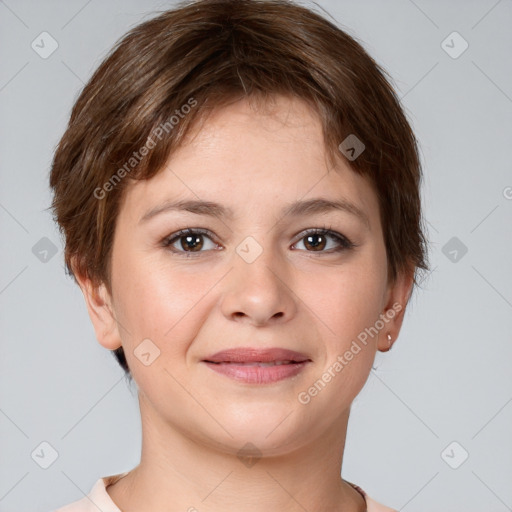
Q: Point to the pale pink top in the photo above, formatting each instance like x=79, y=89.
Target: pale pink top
x=99, y=499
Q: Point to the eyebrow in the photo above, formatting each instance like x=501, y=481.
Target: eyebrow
x=296, y=209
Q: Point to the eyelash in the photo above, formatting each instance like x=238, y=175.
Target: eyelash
x=345, y=243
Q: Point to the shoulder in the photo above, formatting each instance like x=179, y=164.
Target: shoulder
x=97, y=499
x=372, y=505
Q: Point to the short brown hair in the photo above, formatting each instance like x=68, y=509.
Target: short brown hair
x=209, y=53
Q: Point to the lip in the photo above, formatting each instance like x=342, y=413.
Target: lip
x=255, y=355
x=254, y=366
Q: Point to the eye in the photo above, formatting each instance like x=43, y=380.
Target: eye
x=188, y=240
x=315, y=240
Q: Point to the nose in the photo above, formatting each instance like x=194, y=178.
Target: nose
x=259, y=292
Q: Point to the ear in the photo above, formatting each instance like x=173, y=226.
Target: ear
x=101, y=312
x=397, y=297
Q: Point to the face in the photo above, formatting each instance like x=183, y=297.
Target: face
x=260, y=270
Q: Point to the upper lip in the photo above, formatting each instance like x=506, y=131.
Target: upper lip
x=255, y=355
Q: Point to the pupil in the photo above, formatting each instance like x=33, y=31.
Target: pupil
x=318, y=244
x=191, y=242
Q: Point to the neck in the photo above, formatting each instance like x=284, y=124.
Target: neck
x=179, y=472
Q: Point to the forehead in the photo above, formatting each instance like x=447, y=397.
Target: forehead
x=282, y=115
x=249, y=156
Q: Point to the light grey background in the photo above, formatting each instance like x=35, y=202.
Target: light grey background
x=448, y=377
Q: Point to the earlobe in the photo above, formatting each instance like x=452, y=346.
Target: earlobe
x=101, y=312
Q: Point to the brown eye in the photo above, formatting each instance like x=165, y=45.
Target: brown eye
x=318, y=239
x=192, y=242
x=189, y=241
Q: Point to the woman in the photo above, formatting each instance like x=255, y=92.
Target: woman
x=238, y=189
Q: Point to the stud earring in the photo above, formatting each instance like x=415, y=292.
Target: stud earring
x=389, y=341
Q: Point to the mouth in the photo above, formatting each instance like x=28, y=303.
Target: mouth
x=257, y=366
x=253, y=355
x=257, y=363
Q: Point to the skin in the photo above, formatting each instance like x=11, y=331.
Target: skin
x=193, y=304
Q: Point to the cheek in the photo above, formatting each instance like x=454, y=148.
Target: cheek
x=349, y=349
x=350, y=298
x=348, y=302
x=156, y=302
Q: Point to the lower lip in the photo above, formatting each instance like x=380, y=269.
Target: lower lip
x=258, y=374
